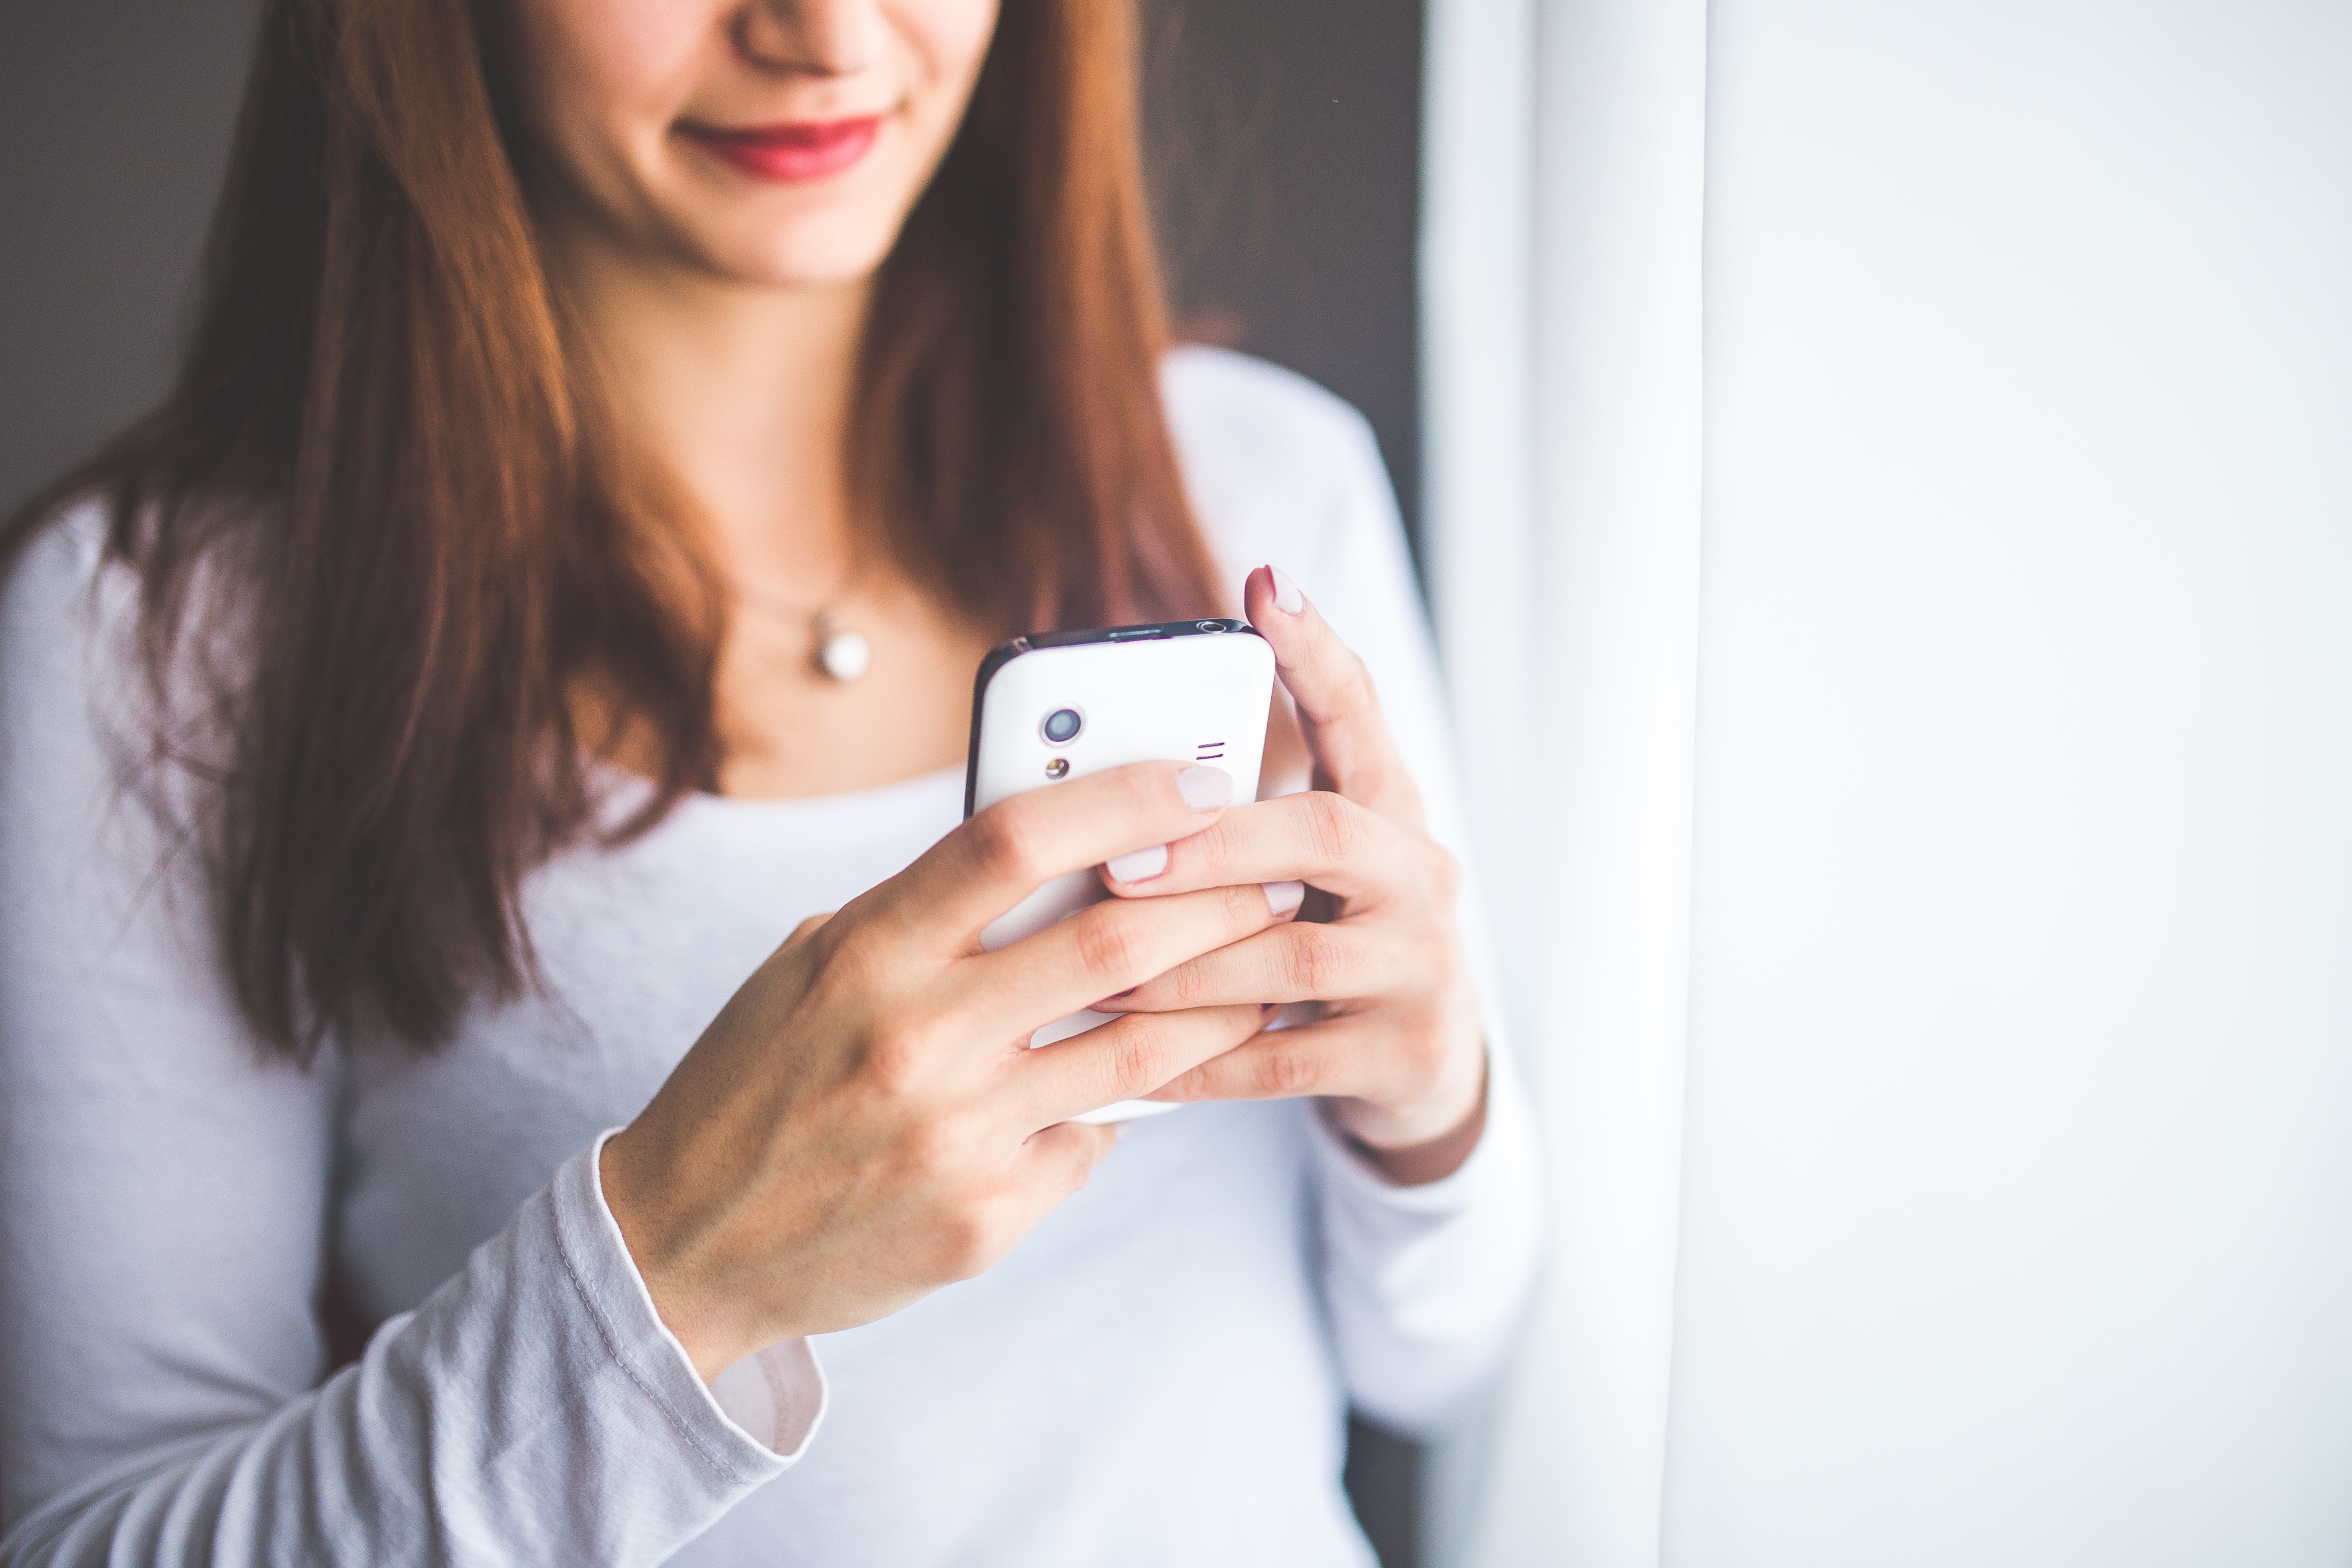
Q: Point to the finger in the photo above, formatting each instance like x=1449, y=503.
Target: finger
x=1300, y=962
x=1317, y=836
x=1337, y=708
x=1053, y=1164
x=1361, y=1059
x=1128, y=1058
x=1335, y=1056
x=1104, y=950
x=1006, y=853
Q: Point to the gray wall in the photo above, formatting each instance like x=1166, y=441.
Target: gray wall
x=1285, y=148
x=114, y=118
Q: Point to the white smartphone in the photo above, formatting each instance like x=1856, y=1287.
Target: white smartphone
x=1060, y=705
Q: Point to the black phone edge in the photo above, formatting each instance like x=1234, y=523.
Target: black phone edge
x=1005, y=652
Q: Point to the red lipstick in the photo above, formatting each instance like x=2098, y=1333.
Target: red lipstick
x=790, y=149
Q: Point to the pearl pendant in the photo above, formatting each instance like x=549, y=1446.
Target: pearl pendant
x=844, y=653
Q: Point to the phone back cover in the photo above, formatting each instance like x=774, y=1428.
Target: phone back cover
x=1201, y=698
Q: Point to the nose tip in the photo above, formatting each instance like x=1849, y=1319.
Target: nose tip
x=817, y=37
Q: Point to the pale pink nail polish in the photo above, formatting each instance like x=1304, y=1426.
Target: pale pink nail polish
x=1205, y=789
x=1139, y=865
x=1284, y=898
x=1286, y=596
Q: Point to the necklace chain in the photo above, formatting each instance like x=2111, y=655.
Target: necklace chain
x=838, y=651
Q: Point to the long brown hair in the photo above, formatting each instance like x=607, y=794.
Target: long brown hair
x=380, y=421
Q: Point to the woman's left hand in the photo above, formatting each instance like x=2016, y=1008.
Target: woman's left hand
x=1399, y=1048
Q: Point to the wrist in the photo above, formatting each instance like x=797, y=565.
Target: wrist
x=697, y=1331
x=1405, y=1156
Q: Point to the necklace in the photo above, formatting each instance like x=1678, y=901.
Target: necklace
x=838, y=651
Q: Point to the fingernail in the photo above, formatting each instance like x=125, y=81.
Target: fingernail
x=1286, y=596
x=1139, y=865
x=1284, y=896
x=1203, y=789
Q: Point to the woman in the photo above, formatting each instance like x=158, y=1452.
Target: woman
x=422, y=734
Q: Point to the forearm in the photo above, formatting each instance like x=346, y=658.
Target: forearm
x=533, y=1401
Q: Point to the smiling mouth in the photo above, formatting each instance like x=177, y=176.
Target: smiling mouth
x=793, y=150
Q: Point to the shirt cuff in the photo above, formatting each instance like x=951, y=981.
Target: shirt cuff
x=1353, y=1176
x=757, y=1416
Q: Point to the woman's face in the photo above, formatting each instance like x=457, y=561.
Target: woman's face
x=776, y=142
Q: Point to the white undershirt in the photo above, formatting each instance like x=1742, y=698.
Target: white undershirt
x=1159, y=1373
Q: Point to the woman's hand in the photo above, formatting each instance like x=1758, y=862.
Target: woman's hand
x=1399, y=1047
x=864, y=1122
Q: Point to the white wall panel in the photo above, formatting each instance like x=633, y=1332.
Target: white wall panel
x=1561, y=270
x=2017, y=1208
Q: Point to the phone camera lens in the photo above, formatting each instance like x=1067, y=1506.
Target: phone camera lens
x=1061, y=726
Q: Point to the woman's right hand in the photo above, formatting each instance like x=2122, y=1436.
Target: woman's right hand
x=863, y=1121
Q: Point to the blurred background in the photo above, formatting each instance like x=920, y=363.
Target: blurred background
x=1884, y=477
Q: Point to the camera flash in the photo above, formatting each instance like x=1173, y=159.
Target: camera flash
x=1058, y=768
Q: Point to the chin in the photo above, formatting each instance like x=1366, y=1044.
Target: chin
x=810, y=253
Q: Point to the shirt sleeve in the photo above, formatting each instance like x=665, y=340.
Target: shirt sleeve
x=164, y=1206
x=1425, y=1285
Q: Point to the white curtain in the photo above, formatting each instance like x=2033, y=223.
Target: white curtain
x=1890, y=517
x=1560, y=280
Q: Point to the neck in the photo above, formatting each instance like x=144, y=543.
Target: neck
x=741, y=393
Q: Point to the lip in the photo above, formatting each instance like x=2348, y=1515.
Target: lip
x=790, y=149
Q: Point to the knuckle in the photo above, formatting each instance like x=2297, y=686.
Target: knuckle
x=898, y=1054
x=1187, y=1085
x=933, y=1149
x=1090, y=1154
x=1108, y=946
x=1180, y=987
x=1241, y=907
x=1217, y=843
x=964, y=1241
x=1312, y=961
x=1286, y=1072
x=1337, y=826
x=1006, y=840
x=1138, y=1061
x=826, y=951
x=890, y=1070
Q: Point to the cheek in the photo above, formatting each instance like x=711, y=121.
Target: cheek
x=597, y=76
x=950, y=35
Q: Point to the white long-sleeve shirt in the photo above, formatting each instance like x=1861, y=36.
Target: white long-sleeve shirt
x=1158, y=1373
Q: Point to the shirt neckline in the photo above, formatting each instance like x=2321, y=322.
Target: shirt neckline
x=837, y=810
